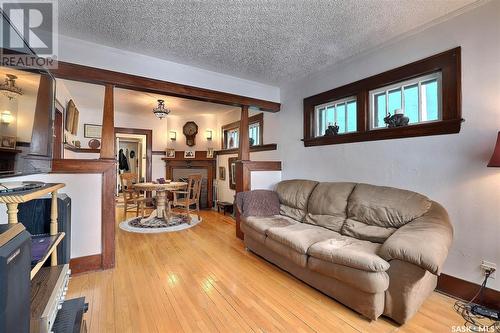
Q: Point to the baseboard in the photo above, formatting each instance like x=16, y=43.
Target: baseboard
x=465, y=290
x=85, y=264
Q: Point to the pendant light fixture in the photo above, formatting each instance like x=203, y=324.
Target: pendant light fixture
x=9, y=88
x=161, y=110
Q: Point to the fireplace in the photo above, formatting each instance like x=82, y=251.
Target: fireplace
x=179, y=167
x=182, y=174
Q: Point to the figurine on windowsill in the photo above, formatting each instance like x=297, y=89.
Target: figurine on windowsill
x=398, y=119
x=332, y=129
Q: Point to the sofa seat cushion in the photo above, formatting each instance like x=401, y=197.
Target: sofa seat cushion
x=299, y=236
x=350, y=252
x=369, y=282
x=371, y=233
x=262, y=224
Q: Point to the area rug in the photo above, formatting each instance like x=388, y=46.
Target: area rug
x=177, y=222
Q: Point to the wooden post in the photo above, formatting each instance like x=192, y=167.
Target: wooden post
x=12, y=212
x=108, y=125
x=53, y=226
x=243, y=155
x=244, y=147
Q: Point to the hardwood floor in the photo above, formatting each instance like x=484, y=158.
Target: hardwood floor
x=203, y=280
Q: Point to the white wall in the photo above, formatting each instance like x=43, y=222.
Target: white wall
x=450, y=169
x=204, y=121
x=85, y=193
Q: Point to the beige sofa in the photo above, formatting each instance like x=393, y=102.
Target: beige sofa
x=378, y=250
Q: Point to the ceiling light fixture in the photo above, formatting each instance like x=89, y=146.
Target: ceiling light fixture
x=9, y=88
x=161, y=110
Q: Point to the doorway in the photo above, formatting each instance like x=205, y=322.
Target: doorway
x=133, y=149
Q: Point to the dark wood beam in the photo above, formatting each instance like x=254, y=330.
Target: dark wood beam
x=94, y=75
x=108, y=125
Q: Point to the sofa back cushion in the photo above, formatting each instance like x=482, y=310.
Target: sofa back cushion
x=294, y=196
x=375, y=212
x=328, y=204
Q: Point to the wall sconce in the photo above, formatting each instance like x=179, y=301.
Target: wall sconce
x=209, y=135
x=173, y=135
x=6, y=117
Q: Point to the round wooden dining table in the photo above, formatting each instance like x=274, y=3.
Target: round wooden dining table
x=162, y=210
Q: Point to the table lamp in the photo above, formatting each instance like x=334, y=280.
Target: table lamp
x=495, y=158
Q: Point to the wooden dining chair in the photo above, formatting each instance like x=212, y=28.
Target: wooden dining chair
x=190, y=197
x=131, y=196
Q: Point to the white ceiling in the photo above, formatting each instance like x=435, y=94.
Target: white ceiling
x=91, y=96
x=267, y=41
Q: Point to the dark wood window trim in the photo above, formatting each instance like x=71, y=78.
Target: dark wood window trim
x=447, y=62
x=253, y=149
x=258, y=118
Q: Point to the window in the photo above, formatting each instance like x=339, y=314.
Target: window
x=232, y=138
x=254, y=134
x=418, y=99
x=230, y=132
x=341, y=113
x=427, y=93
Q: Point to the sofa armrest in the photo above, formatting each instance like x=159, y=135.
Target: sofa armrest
x=258, y=203
x=423, y=242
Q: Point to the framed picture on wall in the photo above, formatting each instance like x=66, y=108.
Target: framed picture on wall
x=232, y=172
x=72, y=118
x=210, y=153
x=8, y=142
x=222, y=173
x=170, y=153
x=92, y=131
x=189, y=154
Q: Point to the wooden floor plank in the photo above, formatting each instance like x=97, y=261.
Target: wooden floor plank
x=203, y=280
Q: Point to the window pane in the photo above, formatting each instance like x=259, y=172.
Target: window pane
x=253, y=133
x=394, y=101
x=330, y=116
x=430, y=100
x=341, y=121
x=411, y=103
x=351, y=116
x=380, y=110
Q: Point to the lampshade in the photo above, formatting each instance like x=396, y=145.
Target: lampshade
x=495, y=158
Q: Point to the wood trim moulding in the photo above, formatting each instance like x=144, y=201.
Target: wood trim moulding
x=69, y=71
x=466, y=290
x=244, y=180
x=159, y=152
x=85, y=264
x=253, y=149
x=107, y=168
x=81, y=150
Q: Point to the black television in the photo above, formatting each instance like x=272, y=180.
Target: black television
x=27, y=99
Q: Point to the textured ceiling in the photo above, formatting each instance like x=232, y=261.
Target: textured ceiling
x=265, y=40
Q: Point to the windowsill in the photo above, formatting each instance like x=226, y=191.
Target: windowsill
x=253, y=149
x=425, y=129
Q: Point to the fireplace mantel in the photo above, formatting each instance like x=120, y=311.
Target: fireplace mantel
x=200, y=161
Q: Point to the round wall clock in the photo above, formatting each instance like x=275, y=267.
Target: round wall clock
x=190, y=130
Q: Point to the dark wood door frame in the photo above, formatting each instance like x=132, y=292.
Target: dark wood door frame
x=149, y=146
